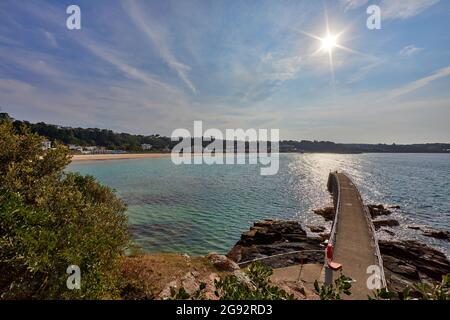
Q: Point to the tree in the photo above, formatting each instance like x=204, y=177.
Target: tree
x=50, y=219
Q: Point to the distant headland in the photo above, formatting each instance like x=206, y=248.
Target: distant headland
x=100, y=141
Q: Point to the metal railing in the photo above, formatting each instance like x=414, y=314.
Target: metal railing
x=284, y=254
x=336, y=189
x=369, y=223
x=374, y=239
x=277, y=255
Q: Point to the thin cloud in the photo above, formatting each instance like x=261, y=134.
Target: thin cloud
x=134, y=12
x=353, y=4
x=415, y=85
x=393, y=9
x=124, y=67
x=365, y=70
x=31, y=62
x=51, y=39
x=273, y=71
x=409, y=51
x=404, y=9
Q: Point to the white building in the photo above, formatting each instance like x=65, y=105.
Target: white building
x=46, y=144
x=146, y=146
x=75, y=148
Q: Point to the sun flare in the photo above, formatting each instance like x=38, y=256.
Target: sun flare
x=329, y=42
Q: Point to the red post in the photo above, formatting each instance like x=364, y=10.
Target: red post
x=329, y=251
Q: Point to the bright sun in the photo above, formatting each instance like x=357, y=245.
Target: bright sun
x=329, y=42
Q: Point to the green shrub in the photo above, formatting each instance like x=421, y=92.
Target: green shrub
x=50, y=220
x=342, y=285
x=259, y=288
x=422, y=291
x=231, y=287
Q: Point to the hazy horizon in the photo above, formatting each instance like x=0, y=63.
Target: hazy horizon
x=295, y=139
x=150, y=67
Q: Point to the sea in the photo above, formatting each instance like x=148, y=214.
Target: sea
x=197, y=209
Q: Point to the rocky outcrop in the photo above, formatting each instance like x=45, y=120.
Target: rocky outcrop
x=327, y=213
x=377, y=210
x=272, y=237
x=191, y=282
x=432, y=233
x=222, y=263
x=405, y=262
x=316, y=229
x=387, y=231
x=385, y=223
x=409, y=262
x=437, y=234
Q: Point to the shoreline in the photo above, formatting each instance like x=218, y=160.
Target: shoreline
x=129, y=156
x=123, y=156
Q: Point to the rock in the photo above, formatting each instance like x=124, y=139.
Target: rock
x=395, y=207
x=222, y=262
x=432, y=233
x=316, y=229
x=385, y=223
x=243, y=278
x=191, y=284
x=324, y=236
x=410, y=262
x=327, y=213
x=405, y=262
x=389, y=232
x=272, y=237
x=437, y=234
x=297, y=289
x=378, y=210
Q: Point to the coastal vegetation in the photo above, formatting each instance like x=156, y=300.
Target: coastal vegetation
x=50, y=220
x=252, y=284
x=92, y=136
x=341, y=286
x=131, y=142
x=258, y=288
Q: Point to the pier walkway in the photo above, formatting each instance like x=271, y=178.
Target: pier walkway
x=353, y=237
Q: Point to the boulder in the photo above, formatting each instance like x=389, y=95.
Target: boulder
x=316, y=229
x=222, y=262
x=325, y=236
x=191, y=283
x=437, y=234
x=389, y=232
x=377, y=210
x=410, y=262
x=385, y=223
x=244, y=279
x=327, y=213
x=272, y=237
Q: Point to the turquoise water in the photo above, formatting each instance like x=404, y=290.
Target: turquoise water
x=202, y=208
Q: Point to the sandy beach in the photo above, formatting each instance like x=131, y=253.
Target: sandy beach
x=101, y=157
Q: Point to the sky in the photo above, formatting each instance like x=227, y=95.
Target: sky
x=151, y=67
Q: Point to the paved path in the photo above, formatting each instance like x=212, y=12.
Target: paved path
x=354, y=246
